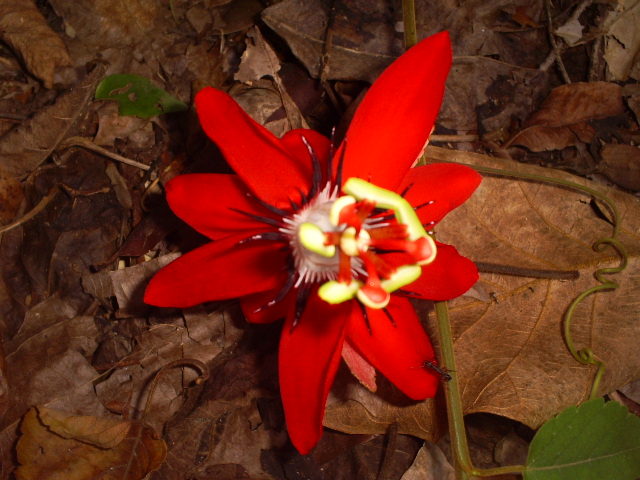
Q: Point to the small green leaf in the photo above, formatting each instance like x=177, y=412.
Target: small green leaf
x=595, y=441
x=136, y=95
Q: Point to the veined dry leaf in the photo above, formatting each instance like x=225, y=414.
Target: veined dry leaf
x=23, y=149
x=24, y=28
x=621, y=165
x=126, y=285
x=563, y=118
x=54, y=445
x=361, y=49
x=623, y=39
x=511, y=356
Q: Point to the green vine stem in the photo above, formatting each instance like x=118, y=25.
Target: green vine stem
x=409, y=20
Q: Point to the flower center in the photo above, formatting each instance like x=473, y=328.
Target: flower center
x=339, y=241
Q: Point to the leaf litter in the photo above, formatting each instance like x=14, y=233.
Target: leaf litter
x=80, y=347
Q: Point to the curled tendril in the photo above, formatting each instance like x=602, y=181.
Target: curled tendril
x=585, y=355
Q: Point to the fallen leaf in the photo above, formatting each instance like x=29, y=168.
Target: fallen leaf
x=622, y=43
x=485, y=90
x=511, y=357
x=11, y=196
x=127, y=285
x=55, y=445
x=27, y=146
x=563, y=118
x=430, y=464
x=23, y=27
x=360, y=49
x=621, y=165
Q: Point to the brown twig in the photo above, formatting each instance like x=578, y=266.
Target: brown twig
x=89, y=145
x=33, y=212
x=554, y=45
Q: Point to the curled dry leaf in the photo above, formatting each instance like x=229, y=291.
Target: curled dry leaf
x=512, y=359
x=621, y=165
x=23, y=149
x=55, y=445
x=563, y=118
x=23, y=27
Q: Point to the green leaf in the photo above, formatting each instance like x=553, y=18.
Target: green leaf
x=597, y=440
x=136, y=95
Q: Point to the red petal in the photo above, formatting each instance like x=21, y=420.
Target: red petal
x=293, y=143
x=448, y=276
x=205, y=201
x=218, y=270
x=251, y=303
x=397, y=352
x=393, y=122
x=254, y=153
x=448, y=185
x=309, y=358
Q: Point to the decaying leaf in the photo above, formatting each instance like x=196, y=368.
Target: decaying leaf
x=621, y=165
x=23, y=27
x=55, y=445
x=498, y=93
x=563, y=118
x=126, y=285
x=356, y=52
x=511, y=356
x=623, y=40
x=10, y=196
x=27, y=146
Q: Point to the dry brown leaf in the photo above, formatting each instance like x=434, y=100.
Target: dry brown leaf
x=195, y=335
x=493, y=90
x=26, y=147
x=55, y=445
x=621, y=165
x=430, y=464
x=47, y=365
x=511, y=356
x=623, y=39
x=24, y=28
x=563, y=118
x=360, y=50
x=126, y=285
x=11, y=196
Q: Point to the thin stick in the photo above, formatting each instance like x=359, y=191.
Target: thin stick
x=89, y=145
x=33, y=212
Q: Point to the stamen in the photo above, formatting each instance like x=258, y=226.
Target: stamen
x=259, y=218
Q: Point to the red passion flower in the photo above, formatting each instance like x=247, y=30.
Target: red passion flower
x=334, y=240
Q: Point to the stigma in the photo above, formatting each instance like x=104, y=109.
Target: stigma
x=341, y=242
